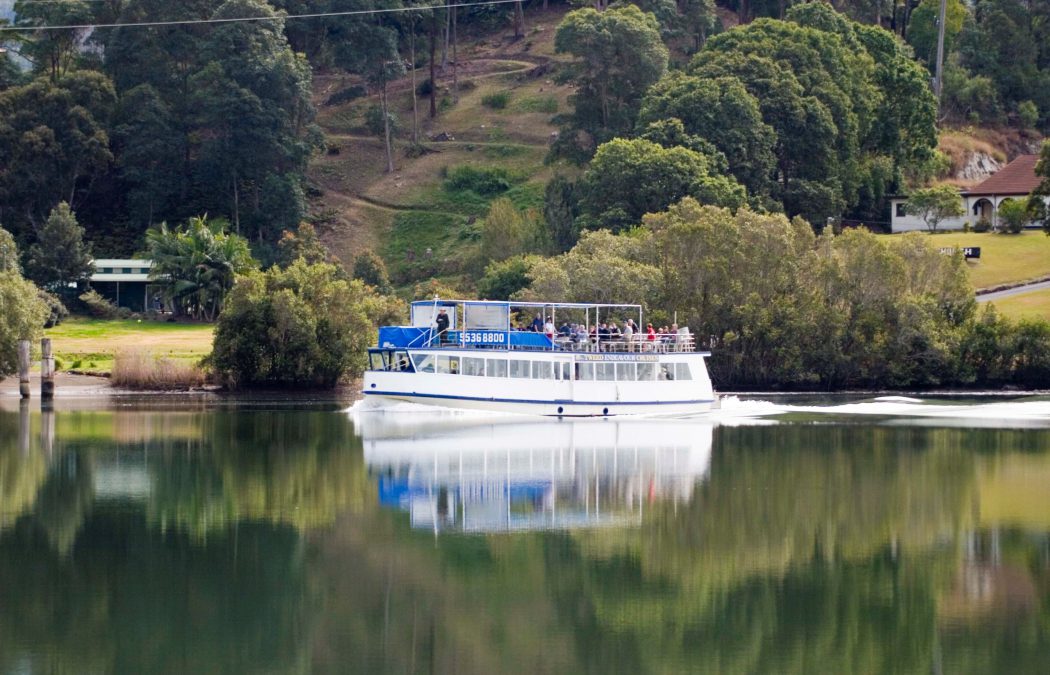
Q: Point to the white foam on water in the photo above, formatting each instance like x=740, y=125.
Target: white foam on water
x=735, y=411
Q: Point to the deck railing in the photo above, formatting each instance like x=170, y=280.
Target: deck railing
x=661, y=344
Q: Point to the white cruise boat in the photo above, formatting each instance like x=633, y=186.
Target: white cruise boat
x=481, y=363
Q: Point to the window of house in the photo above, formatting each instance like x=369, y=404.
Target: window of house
x=900, y=210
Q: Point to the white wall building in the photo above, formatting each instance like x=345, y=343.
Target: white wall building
x=1016, y=180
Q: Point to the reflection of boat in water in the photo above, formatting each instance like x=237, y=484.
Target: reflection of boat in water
x=488, y=476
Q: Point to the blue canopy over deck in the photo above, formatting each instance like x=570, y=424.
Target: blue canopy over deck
x=484, y=324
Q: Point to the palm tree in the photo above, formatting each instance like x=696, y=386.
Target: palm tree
x=198, y=264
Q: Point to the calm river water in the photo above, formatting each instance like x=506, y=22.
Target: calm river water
x=189, y=536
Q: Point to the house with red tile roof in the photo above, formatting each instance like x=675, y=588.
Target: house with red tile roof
x=1016, y=180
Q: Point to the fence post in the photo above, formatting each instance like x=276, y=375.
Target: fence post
x=23, y=368
x=47, y=370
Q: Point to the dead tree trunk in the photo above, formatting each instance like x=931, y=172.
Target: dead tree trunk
x=433, y=54
x=412, y=65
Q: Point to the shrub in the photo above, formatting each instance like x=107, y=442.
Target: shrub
x=300, y=326
x=1013, y=216
x=56, y=310
x=370, y=268
x=139, y=369
x=982, y=225
x=425, y=87
x=1029, y=114
x=484, y=181
x=540, y=104
x=496, y=101
x=22, y=316
x=99, y=307
x=346, y=95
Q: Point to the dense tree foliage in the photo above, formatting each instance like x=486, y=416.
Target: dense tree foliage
x=848, y=109
x=619, y=54
x=935, y=204
x=1007, y=42
x=60, y=258
x=22, y=311
x=300, y=326
x=186, y=119
x=53, y=143
x=629, y=178
x=197, y=264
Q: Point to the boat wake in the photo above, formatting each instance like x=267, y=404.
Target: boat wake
x=736, y=411
x=1027, y=412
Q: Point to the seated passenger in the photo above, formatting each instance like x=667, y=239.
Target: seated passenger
x=537, y=324
x=548, y=329
x=565, y=330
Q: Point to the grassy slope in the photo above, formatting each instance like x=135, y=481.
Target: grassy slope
x=1005, y=258
x=404, y=213
x=1032, y=305
x=94, y=342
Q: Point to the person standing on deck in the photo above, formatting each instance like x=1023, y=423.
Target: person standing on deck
x=442, y=326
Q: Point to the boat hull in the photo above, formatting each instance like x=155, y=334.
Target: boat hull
x=547, y=408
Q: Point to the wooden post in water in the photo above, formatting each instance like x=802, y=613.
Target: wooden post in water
x=23, y=368
x=47, y=370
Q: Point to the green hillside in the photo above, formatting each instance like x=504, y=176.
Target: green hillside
x=501, y=120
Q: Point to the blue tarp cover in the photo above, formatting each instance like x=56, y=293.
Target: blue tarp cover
x=403, y=336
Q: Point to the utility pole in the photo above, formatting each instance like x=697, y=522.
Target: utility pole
x=938, y=82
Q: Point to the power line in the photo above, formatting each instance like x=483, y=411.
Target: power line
x=242, y=19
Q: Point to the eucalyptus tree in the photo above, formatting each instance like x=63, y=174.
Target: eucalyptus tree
x=232, y=100
x=53, y=52
x=149, y=151
x=722, y=111
x=53, y=143
x=629, y=178
x=619, y=55
x=368, y=45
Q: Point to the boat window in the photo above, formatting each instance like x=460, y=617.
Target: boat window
x=666, y=371
x=542, y=370
x=646, y=372
x=625, y=372
x=605, y=371
x=584, y=371
x=519, y=368
x=681, y=371
x=473, y=366
x=401, y=362
x=375, y=361
x=562, y=371
x=424, y=362
x=497, y=367
x=448, y=364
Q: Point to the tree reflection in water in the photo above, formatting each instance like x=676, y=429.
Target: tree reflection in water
x=251, y=540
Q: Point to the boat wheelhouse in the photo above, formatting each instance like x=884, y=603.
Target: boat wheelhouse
x=467, y=354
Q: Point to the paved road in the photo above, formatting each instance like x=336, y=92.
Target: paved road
x=1013, y=291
